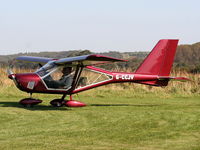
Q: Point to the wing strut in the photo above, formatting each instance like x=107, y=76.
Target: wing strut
x=77, y=75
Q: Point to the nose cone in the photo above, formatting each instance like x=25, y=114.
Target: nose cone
x=26, y=82
x=11, y=76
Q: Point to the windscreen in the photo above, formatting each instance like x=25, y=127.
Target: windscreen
x=56, y=77
x=46, y=69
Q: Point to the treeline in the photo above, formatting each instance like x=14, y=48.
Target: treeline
x=187, y=58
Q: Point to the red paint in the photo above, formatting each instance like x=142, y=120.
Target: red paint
x=23, y=79
x=30, y=101
x=74, y=103
x=157, y=64
x=154, y=71
x=160, y=59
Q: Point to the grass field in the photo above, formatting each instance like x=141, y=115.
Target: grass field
x=117, y=117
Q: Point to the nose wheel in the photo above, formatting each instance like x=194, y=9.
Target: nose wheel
x=29, y=102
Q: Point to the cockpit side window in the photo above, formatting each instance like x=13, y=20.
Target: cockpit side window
x=90, y=77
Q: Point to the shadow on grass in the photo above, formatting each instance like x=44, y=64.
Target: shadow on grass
x=36, y=107
x=48, y=107
x=134, y=105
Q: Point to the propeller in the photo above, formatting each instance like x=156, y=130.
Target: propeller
x=10, y=73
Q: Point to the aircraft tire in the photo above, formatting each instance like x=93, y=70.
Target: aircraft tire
x=58, y=102
x=29, y=102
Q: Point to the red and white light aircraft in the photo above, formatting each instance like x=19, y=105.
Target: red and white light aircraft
x=68, y=76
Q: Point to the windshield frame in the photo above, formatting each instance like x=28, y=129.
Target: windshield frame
x=47, y=69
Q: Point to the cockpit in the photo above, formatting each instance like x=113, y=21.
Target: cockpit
x=61, y=77
x=56, y=77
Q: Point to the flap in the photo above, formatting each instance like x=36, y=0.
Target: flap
x=87, y=60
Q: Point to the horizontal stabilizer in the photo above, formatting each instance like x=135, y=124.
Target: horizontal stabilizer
x=163, y=80
x=173, y=78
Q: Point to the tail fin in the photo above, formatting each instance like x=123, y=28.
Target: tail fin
x=160, y=60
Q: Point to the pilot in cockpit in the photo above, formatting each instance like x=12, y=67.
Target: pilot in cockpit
x=66, y=78
x=64, y=82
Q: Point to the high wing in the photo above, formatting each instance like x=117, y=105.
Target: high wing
x=87, y=60
x=34, y=59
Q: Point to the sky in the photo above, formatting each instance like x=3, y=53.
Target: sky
x=96, y=25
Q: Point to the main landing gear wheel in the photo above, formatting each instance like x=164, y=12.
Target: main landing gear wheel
x=29, y=102
x=58, y=102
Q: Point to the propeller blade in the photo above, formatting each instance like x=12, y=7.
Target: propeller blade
x=9, y=71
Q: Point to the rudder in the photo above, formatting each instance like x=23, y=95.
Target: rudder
x=160, y=59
